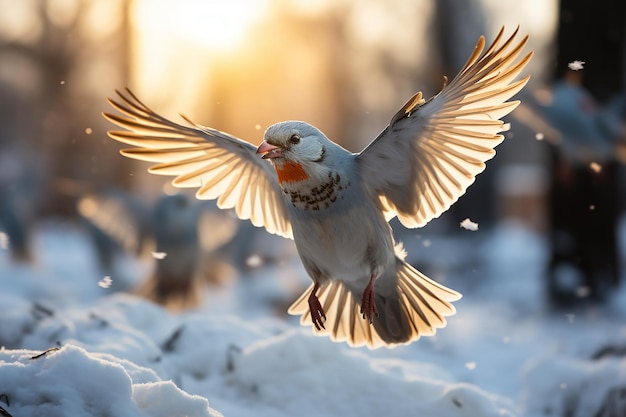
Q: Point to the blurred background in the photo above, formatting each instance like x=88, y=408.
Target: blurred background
x=345, y=66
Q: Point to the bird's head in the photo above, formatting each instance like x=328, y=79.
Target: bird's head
x=295, y=148
x=293, y=141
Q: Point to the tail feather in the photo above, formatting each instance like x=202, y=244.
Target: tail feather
x=417, y=308
x=425, y=302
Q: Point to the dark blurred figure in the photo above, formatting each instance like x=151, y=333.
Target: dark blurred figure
x=175, y=282
x=588, y=113
x=19, y=196
x=15, y=223
x=117, y=223
x=181, y=235
x=584, y=190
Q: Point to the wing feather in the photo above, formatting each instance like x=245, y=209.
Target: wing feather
x=438, y=146
x=221, y=166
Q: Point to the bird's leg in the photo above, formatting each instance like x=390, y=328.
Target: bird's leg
x=368, y=304
x=317, y=312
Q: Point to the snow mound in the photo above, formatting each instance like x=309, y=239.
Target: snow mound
x=72, y=382
x=297, y=371
x=576, y=387
x=125, y=356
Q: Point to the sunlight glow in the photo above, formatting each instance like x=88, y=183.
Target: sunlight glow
x=217, y=24
x=222, y=23
x=177, y=43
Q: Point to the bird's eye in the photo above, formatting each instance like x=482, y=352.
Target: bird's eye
x=294, y=139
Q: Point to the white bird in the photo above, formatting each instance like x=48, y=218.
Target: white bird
x=336, y=204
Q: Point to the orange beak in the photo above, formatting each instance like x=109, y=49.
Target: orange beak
x=269, y=151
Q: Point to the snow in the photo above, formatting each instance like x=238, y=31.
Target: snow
x=595, y=167
x=72, y=382
x=576, y=65
x=74, y=347
x=467, y=224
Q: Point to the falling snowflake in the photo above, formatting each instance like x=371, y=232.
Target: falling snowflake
x=467, y=224
x=539, y=136
x=583, y=291
x=595, y=167
x=159, y=255
x=470, y=365
x=105, y=282
x=4, y=241
x=254, y=261
x=576, y=65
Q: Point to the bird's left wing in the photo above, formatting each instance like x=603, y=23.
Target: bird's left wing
x=431, y=151
x=221, y=166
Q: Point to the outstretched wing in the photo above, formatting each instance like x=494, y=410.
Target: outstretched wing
x=432, y=151
x=221, y=166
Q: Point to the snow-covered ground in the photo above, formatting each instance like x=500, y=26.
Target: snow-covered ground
x=73, y=346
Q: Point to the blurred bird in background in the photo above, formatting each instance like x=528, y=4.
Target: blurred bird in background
x=586, y=131
x=336, y=205
x=118, y=223
x=181, y=237
x=584, y=139
x=20, y=195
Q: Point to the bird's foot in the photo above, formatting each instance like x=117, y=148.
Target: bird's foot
x=368, y=304
x=317, y=312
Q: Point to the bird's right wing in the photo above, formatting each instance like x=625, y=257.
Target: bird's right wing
x=221, y=166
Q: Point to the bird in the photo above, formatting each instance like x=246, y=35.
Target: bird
x=20, y=197
x=335, y=204
x=180, y=236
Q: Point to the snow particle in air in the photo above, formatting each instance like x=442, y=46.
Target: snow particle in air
x=467, y=224
x=595, y=167
x=254, y=261
x=105, y=282
x=583, y=291
x=576, y=65
x=4, y=241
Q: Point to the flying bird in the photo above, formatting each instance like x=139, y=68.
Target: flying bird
x=336, y=204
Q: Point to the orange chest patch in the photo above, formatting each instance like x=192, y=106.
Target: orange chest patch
x=290, y=172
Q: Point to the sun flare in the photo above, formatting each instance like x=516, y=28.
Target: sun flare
x=176, y=43
x=220, y=24
x=217, y=24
